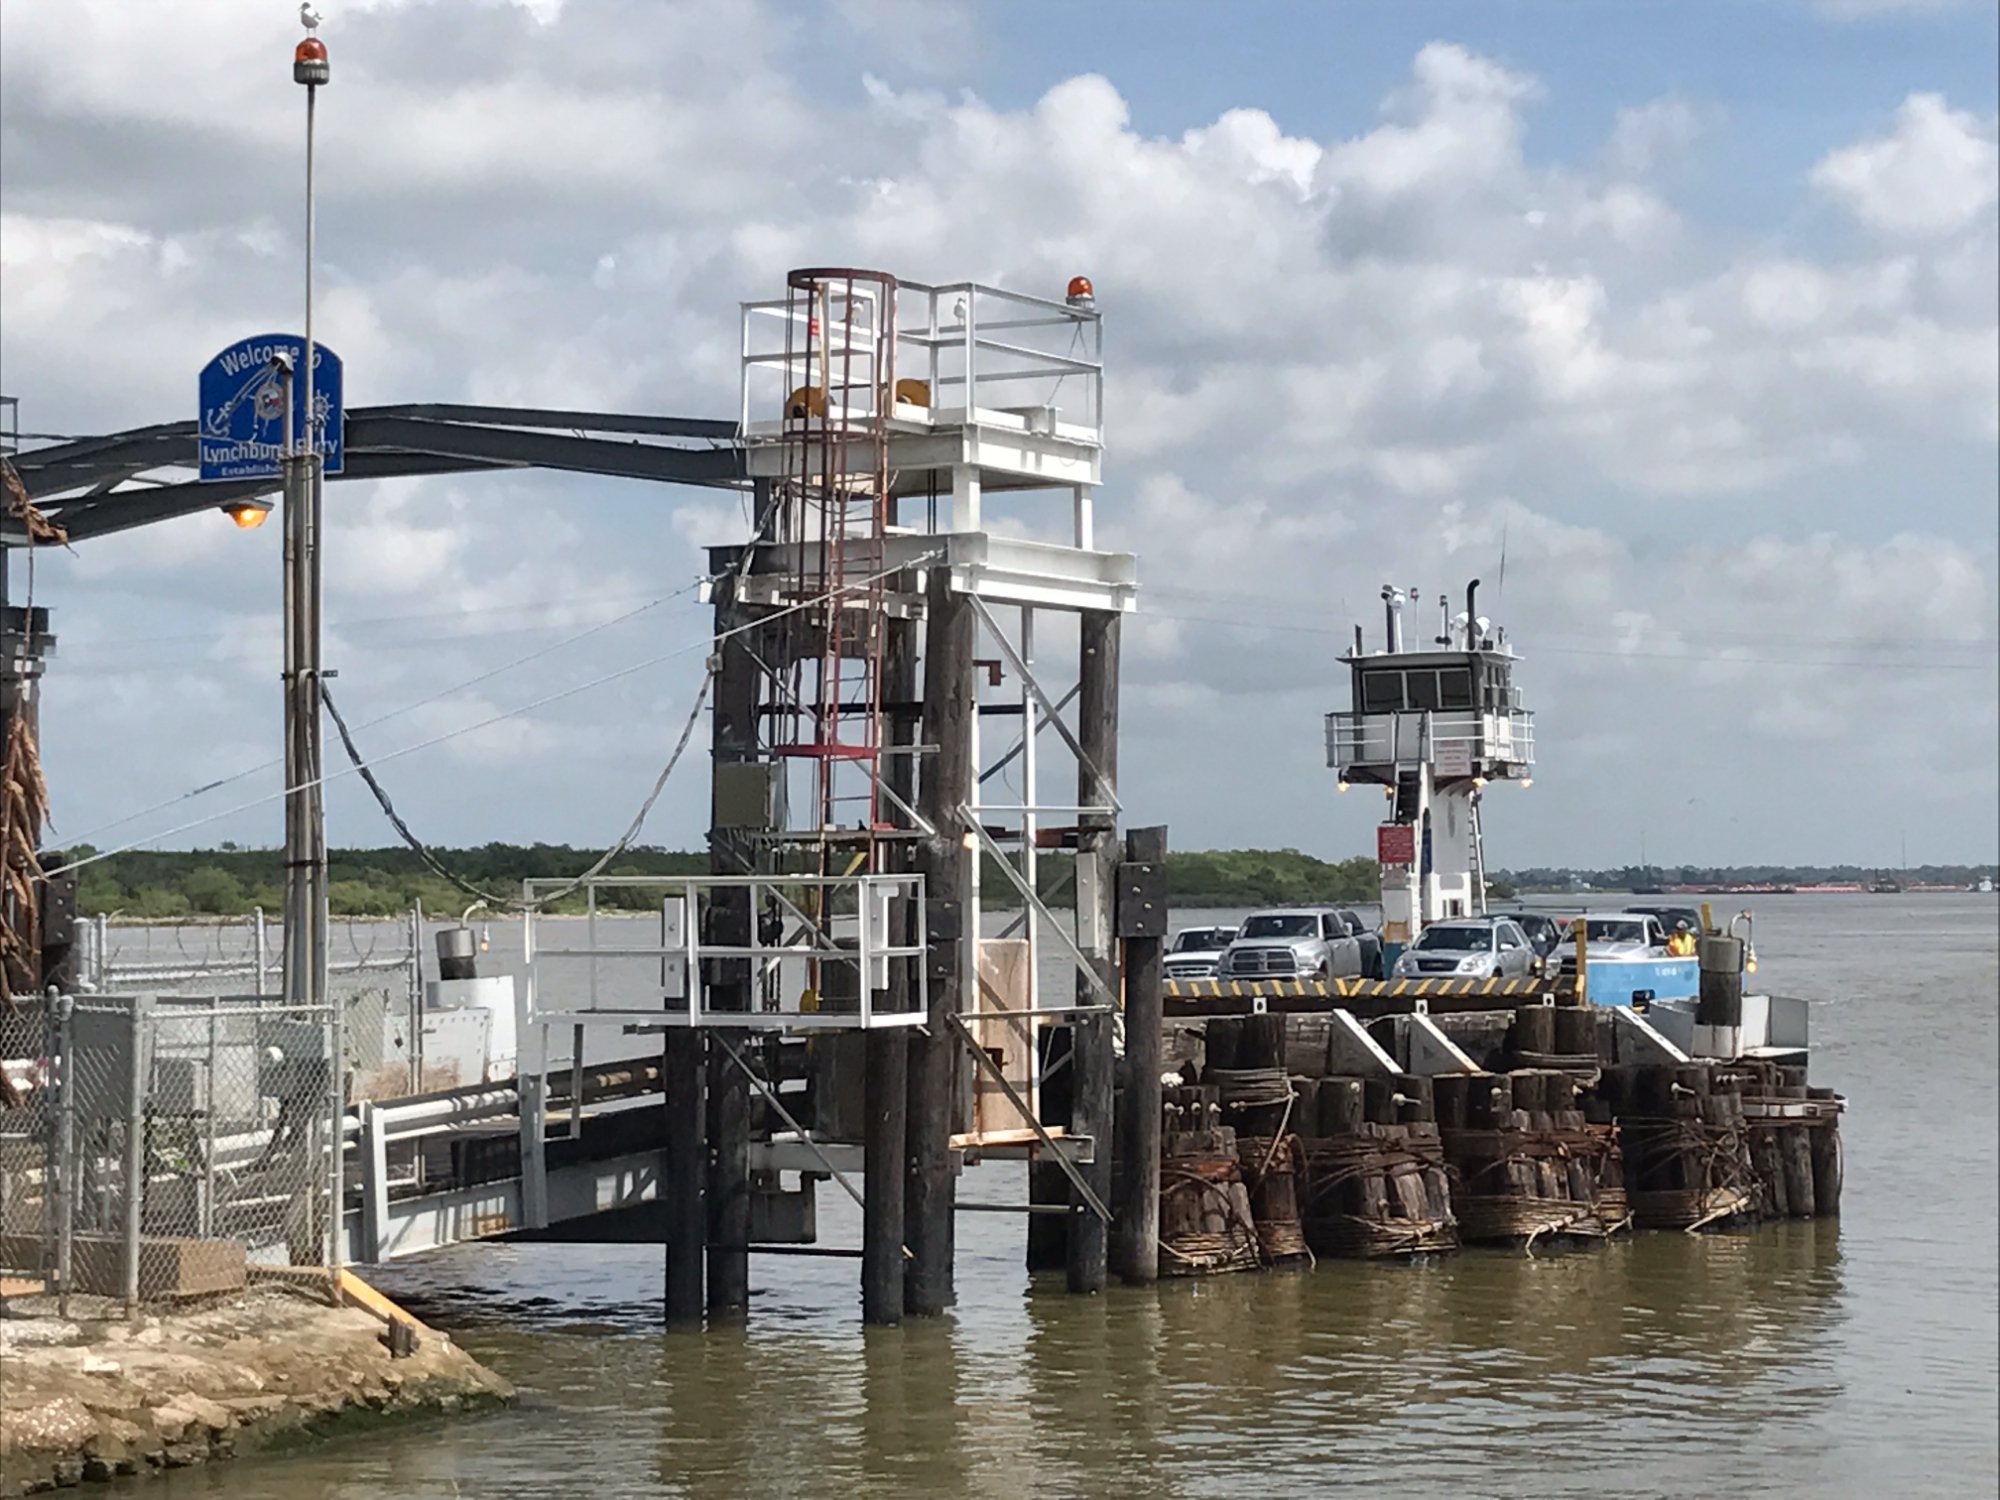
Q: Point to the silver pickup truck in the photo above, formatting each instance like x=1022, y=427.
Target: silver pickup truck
x=1292, y=943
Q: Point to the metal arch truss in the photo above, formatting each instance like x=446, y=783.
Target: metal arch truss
x=101, y=485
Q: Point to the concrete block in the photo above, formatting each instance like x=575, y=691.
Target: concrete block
x=167, y=1267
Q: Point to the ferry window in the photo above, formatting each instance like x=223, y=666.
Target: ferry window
x=1455, y=688
x=1381, y=692
x=1423, y=689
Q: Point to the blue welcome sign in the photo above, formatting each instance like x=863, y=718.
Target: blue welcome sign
x=241, y=430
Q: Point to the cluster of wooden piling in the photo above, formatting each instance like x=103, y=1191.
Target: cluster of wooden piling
x=1272, y=1158
x=1533, y=1151
x=1526, y=1159
x=1343, y=1166
x=1709, y=1141
x=1687, y=1155
x=1379, y=1188
x=1794, y=1143
x=1206, y=1220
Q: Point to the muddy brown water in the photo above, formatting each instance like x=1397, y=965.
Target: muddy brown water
x=1855, y=1358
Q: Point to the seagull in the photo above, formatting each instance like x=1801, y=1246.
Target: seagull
x=309, y=16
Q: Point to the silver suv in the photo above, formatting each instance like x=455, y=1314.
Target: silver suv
x=1292, y=943
x=1472, y=947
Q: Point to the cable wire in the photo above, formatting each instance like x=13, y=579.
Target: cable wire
x=921, y=560
x=498, y=902
x=396, y=713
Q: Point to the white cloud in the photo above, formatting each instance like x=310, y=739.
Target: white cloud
x=1332, y=361
x=1654, y=135
x=1936, y=172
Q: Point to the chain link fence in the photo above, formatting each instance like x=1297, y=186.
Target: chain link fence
x=163, y=1144
x=27, y=1137
x=374, y=970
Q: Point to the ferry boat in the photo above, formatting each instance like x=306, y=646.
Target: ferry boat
x=1435, y=726
x=1625, y=960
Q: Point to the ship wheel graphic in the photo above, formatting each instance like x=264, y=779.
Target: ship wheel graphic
x=271, y=401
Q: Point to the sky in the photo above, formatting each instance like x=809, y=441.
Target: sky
x=1688, y=309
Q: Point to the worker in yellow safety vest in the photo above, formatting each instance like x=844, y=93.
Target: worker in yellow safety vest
x=1681, y=943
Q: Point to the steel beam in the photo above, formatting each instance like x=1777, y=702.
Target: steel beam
x=384, y=442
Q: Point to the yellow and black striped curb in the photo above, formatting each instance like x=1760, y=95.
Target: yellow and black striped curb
x=1352, y=989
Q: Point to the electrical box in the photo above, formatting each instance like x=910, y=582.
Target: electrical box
x=456, y=1047
x=749, y=794
x=104, y=1087
x=180, y=1086
x=944, y=924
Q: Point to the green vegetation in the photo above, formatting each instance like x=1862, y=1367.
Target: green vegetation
x=360, y=882
x=383, y=882
x=1267, y=877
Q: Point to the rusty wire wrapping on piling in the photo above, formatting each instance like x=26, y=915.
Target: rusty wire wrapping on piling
x=1686, y=1173
x=1205, y=1221
x=1517, y=1184
x=1271, y=1167
x=1344, y=1172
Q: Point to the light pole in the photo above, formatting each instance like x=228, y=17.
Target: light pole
x=305, y=814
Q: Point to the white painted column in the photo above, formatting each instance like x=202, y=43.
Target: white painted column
x=965, y=498
x=1030, y=860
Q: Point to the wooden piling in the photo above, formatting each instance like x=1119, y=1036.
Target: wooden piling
x=729, y=923
x=1221, y=1044
x=1270, y=1170
x=1489, y=1101
x=1532, y=1037
x=1683, y=1135
x=1096, y=877
x=1824, y=1146
x=945, y=786
x=1368, y=1168
x=1135, y=1243
x=1206, y=1225
x=1048, y=1184
x=1795, y=1159
x=683, y=1083
x=885, y=1139
x=1449, y=1092
x=1342, y=1106
x=1767, y=1161
x=1305, y=1112
x=1527, y=1161
x=1576, y=1033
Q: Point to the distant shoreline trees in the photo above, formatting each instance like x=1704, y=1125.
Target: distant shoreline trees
x=164, y=884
